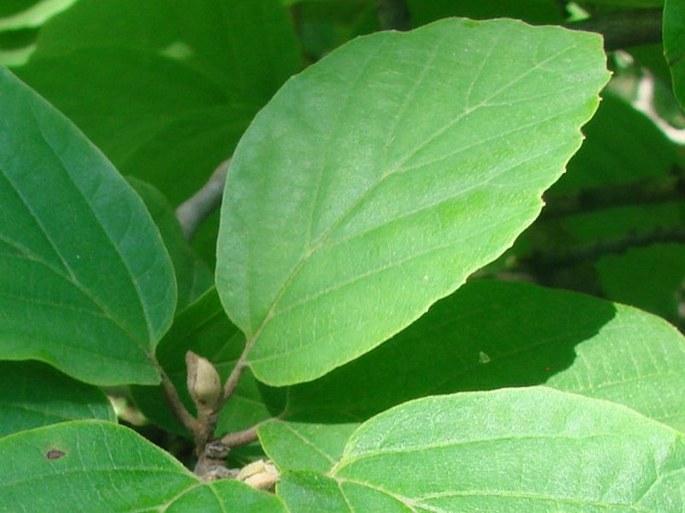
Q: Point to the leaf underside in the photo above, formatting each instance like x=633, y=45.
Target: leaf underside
x=376, y=181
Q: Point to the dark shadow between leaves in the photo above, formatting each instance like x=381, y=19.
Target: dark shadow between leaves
x=487, y=335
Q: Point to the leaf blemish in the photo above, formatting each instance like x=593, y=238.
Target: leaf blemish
x=54, y=454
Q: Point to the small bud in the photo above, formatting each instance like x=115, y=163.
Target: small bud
x=204, y=383
x=260, y=474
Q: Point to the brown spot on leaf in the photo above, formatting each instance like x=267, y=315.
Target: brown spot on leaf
x=54, y=454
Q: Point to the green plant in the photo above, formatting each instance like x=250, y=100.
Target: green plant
x=333, y=346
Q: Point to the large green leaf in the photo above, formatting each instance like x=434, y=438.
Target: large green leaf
x=674, y=45
x=165, y=87
x=92, y=466
x=85, y=281
x=535, y=450
x=376, y=181
x=491, y=335
x=33, y=395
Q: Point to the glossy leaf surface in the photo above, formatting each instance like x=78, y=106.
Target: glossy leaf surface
x=376, y=181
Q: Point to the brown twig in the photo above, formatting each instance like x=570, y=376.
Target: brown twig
x=243, y=437
x=195, y=209
x=176, y=404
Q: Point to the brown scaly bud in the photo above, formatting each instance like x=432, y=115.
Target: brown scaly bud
x=204, y=383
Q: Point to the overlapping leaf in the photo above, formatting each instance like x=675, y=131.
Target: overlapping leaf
x=534, y=450
x=85, y=281
x=87, y=466
x=33, y=395
x=165, y=87
x=491, y=335
x=376, y=181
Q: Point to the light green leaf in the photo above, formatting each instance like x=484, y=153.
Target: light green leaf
x=88, y=466
x=86, y=283
x=674, y=45
x=535, y=450
x=307, y=445
x=376, y=181
x=165, y=87
x=33, y=395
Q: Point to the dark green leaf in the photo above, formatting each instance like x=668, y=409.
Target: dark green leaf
x=165, y=87
x=193, y=276
x=85, y=281
x=33, y=395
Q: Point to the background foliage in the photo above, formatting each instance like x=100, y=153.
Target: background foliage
x=369, y=178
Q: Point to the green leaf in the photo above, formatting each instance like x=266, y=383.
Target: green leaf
x=535, y=450
x=375, y=182
x=193, y=276
x=491, y=335
x=656, y=274
x=86, y=283
x=87, y=466
x=165, y=87
x=306, y=445
x=33, y=395
x=674, y=45
x=204, y=329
